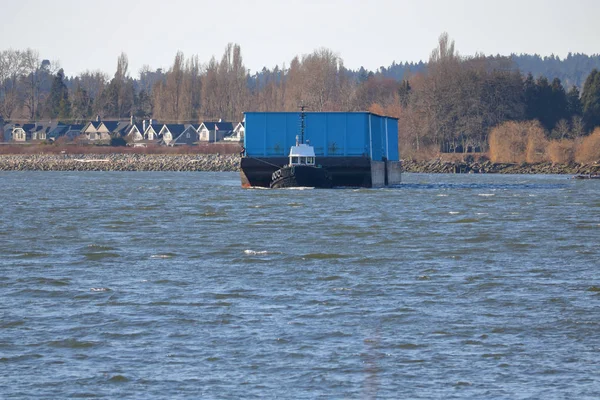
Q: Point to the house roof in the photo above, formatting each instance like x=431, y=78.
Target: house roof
x=74, y=129
x=62, y=129
x=175, y=129
x=223, y=126
x=189, y=129
x=155, y=127
x=122, y=128
x=25, y=127
x=111, y=125
x=94, y=124
x=139, y=126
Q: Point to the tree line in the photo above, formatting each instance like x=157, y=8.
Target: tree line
x=451, y=103
x=571, y=70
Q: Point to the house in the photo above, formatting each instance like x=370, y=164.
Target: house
x=73, y=131
x=122, y=128
x=41, y=130
x=102, y=131
x=135, y=133
x=106, y=129
x=151, y=131
x=70, y=131
x=238, y=133
x=57, y=132
x=214, y=131
x=21, y=132
x=170, y=132
x=189, y=136
x=37, y=132
x=90, y=131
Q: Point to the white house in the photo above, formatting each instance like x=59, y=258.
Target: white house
x=90, y=131
x=238, y=133
x=214, y=131
x=135, y=133
x=151, y=131
x=19, y=133
x=170, y=132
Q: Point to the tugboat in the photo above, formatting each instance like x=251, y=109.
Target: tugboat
x=301, y=170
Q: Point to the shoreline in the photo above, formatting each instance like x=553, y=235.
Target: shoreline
x=231, y=163
x=119, y=162
x=487, y=167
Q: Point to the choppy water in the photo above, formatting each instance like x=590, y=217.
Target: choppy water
x=184, y=285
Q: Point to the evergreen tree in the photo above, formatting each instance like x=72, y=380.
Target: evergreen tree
x=362, y=75
x=404, y=92
x=143, y=105
x=557, y=104
x=81, y=104
x=543, y=103
x=590, y=100
x=58, y=105
x=531, y=100
x=574, y=103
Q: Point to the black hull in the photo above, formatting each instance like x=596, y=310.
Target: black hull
x=301, y=176
x=344, y=171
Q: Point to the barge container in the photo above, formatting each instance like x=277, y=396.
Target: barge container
x=358, y=149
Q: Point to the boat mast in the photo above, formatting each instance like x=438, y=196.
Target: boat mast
x=302, y=123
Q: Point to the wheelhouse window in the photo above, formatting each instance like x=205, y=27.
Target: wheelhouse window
x=310, y=160
x=294, y=160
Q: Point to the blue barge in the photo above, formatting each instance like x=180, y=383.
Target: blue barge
x=358, y=149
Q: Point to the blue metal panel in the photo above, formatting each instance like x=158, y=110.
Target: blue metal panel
x=331, y=133
x=375, y=129
x=392, y=135
x=357, y=134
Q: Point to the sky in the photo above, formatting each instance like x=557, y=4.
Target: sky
x=89, y=35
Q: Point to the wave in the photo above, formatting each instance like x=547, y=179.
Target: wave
x=259, y=252
x=162, y=256
x=323, y=256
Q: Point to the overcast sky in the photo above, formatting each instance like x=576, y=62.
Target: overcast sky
x=85, y=34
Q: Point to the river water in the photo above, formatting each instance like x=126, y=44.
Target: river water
x=183, y=285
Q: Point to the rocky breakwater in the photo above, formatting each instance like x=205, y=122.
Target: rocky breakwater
x=119, y=162
x=487, y=167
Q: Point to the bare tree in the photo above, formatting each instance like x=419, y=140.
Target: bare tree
x=11, y=68
x=32, y=81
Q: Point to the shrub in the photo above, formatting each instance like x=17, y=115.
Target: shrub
x=118, y=141
x=536, y=143
x=588, y=150
x=561, y=151
x=517, y=142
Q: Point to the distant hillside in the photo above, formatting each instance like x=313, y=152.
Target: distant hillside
x=572, y=70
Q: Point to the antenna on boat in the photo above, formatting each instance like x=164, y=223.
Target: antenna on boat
x=302, y=121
